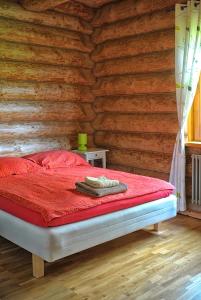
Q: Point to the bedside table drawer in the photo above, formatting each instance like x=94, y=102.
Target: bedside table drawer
x=92, y=156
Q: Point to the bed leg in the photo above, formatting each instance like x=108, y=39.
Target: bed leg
x=38, y=266
x=156, y=227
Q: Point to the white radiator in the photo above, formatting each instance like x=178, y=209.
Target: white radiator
x=196, y=179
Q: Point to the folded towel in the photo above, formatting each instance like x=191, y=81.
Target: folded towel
x=101, y=182
x=100, y=192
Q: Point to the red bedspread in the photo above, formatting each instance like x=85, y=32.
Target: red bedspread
x=52, y=196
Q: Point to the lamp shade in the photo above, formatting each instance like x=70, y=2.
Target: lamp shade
x=82, y=138
x=82, y=141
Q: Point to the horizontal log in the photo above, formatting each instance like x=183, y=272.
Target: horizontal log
x=96, y=3
x=137, y=103
x=131, y=46
x=193, y=149
x=20, y=147
x=155, y=123
x=58, y=74
x=44, y=55
x=23, y=32
x=135, y=84
x=146, y=23
x=26, y=130
x=138, y=171
x=43, y=111
x=162, y=143
x=86, y=127
x=130, y=8
x=19, y=90
x=160, y=175
x=88, y=111
x=76, y=9
x=152, y=62
x=13, y=10
x=38, y=5
x=140, y=159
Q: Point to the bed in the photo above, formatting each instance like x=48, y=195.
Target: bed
x=52, y=229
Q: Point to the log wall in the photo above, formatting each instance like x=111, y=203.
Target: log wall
x=46, y=77
x=135, y=89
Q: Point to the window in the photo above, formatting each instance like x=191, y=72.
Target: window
x=194, y=120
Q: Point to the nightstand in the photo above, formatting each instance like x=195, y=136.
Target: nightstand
x=93, y=154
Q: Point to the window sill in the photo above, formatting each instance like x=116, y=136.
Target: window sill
x=193, y=145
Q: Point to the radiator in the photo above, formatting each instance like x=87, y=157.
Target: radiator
x=196, y=179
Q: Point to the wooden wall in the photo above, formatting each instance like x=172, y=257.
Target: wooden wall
x=135, y=89
x=46, y=77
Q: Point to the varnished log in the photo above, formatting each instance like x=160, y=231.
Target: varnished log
x=155, y=123
x=26, y=71
x=131, y=46
x=146, y=23
x=136, y=159
x=41, y=111
x=77, y=9
x=152, y=62
x=86, y=127
x=151, y=103
x=160, y=175
x=23, y=32
x=38, y=5
x=134, y=84
x=162, y=143
x=155, y=174
x=96, y=3
x=44, y=55
x=13, y=10
x=130, y=8
x=12, y=90
x=88, y=111
x=27, y=130
x=20, y=147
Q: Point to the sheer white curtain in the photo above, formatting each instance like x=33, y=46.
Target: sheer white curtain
x=187, y=70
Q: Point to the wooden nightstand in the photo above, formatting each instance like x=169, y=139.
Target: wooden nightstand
x=92, y=154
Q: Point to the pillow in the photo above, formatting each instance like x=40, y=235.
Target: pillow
x=16, y=166
x=57, y=159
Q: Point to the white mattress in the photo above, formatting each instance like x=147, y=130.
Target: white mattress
x=56, y=242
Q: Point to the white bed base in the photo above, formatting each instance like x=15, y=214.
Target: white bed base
x=53, y=243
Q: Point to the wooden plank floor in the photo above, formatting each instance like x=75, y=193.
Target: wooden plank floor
x=139, y=266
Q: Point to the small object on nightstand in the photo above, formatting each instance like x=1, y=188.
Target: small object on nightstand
x=93, y=154
x=82, y=141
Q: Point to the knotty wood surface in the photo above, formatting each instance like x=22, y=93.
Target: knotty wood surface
x=135, y=96
x=140, y=266
x=46, y=77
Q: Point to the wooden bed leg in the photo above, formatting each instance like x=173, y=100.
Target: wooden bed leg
x=156, y=227
x=38, y=266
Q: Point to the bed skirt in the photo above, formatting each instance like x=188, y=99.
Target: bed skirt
x=53, y=243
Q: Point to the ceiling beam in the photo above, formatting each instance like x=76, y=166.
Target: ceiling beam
x=41, y=5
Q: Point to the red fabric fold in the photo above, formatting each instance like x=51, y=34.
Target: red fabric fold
x=51, y=194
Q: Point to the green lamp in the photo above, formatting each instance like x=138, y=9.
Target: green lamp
x=82, y=141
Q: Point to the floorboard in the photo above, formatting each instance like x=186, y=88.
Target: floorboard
x=140, y=266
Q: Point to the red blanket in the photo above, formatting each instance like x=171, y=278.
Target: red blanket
x=52, y=193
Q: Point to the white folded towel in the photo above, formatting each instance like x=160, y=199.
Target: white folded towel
x=101, y=182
